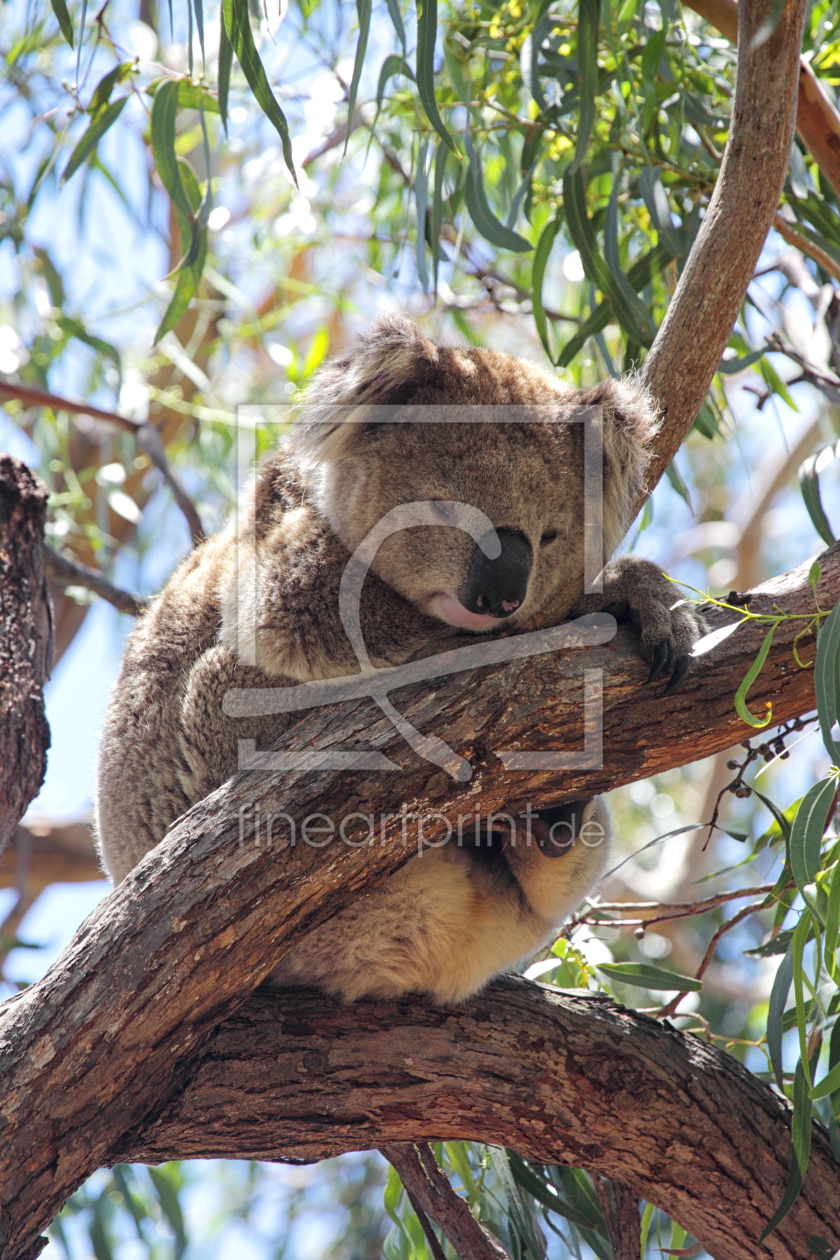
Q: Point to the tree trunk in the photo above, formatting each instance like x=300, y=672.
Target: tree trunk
x=26, y=642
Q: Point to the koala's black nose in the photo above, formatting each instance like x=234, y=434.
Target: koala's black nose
x=498, y=587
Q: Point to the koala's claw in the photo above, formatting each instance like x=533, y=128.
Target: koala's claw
x=679, y=675
x=659, y=660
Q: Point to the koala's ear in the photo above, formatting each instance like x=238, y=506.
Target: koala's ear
x=630, y=420
x=385, y=370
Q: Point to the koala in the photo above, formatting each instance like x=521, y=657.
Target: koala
x=451, y=917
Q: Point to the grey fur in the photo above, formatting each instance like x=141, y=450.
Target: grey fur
x=446, y=922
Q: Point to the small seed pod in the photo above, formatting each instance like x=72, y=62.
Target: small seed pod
x=732, y=764
x=640, y=933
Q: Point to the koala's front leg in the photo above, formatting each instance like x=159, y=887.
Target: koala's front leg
x=638, y=588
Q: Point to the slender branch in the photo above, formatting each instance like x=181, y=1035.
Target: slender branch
x=428, y=1190
x=428, y=1187
x=688, y=347
x=621, y=1213
x=66, y=571
x=671, y=1007
x=147, y=435
x=819, y=256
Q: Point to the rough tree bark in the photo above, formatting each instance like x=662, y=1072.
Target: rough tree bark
x=559, y=1077
x=109, y=1035
x=105, y=1038
x=26, y=642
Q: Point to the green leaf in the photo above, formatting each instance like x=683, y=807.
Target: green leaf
x=73, y=328
x=730, y=366
x=814, y=575
x=829, y=1083
x=105, y=86
x=522, y=1218
x=827, y=681
x=580, y=229
x=659, y=209
x=238, y=26
x=634, y=304
x=549, y=1198
x=225, y=63
x=105, y=118
x=775, y=383
x=587, y=62
x=426, y=39
x=541, y=256
x=809, y=484
x=396, y=18
x=164, y=113
x=363, y=9
x=800, y=1151
x=482, y=216
x=778, y=1000
x=832, y=924
x=646, y=976
x=441, y=156
x=421, y=192
x=639, y=275
x=750, y=677
x=59, y=8
x=675, y=478
x=393, y=64
x=807, y=831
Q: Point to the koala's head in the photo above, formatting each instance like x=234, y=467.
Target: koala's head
x=402, y=420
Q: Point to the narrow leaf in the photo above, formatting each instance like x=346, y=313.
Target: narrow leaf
x=641, y=318
x=421, y=192
x=646, y=976
x=587, y=62
x=482, y=216
x=396, y=18
x=541, y=256
x=441, y=155
x=225, y=63
x=809, y=484
x=238, y=26
x=164, y=113
x=807, y=831
x=750, y=677
x=658, y=207
x=778, y=1000
x=59, y=8
x=363, y=9
x=104, y=119
x=832, y=924
x=583, y=236
x=827, y=681
x=800, y=1151
x=426, y=39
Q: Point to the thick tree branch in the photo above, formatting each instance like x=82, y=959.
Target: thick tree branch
x=698, y=323
x=26, y=642
x=559, y=1077
x=106, y=1036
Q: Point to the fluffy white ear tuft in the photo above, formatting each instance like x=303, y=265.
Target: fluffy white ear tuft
x=380, y=372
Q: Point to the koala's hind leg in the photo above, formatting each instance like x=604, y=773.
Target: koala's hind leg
x=560, y=855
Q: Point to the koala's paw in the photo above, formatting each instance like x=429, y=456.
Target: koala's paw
x=667, y=633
